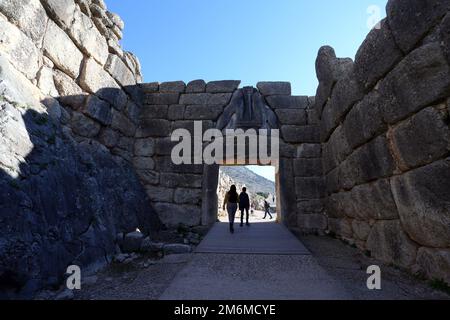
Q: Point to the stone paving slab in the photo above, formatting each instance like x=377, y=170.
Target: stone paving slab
x=259, y=238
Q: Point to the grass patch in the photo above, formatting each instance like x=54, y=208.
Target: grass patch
x=441, y=285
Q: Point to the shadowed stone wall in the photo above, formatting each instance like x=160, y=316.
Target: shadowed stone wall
x=385, y=137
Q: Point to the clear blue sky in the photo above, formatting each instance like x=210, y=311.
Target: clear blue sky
x=248, y=40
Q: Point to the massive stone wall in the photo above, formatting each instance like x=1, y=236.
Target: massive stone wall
x=386, y=139
x=69, y=108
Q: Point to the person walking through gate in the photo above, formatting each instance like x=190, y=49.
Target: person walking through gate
x=231, y=203
x=267, y=210
x=244, y=205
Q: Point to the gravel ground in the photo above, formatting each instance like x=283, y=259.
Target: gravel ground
x=349, y=265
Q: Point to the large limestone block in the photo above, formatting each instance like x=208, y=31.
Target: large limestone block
x=308, y=167
x=300, y=134
x=423, y=201
x=224, y=86
x=155, y=112
x=121, y=123
x=83, y=126
x=376, y=56
x=309, y=150
x=160, y=98
x=411, y=20
x=154, y=128
x=422, y=139
x=19, y=49
x=312, y=222
x=361, y=229
x=88, y=38
x=188, y=196
x=373, y=201
x=62, y=51
x=15, y=87
x=31, y=18
x=144, y=147
x=172, y=215
x=274, y=88
x=46, y=82
x=61, y=11
x=119, y=71
x=292, y=116
x=98, y=109
x=310, y=187
x=159, y=194
x=341, y=227
x=174, y=180
x=389, y=243
x=419, y=80
x=96, y=80
x=288, y=102
x=435, y=263
x=196, y=86
x=445, y=36
x=203, y=112
x=172, y=87
x=221, y=99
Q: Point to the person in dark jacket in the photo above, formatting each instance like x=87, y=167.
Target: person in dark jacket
x=244, y=205
x=231, y=203
x=267, y=210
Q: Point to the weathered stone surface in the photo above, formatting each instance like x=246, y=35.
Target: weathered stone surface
x=205, y=98
x=341, y=228
x=143, y=163
x=14, y=86
x=176, y=112
x=173, y=180
x=116, y=20
x=312, y=222
x=364, y=121
x=310, y=206
x=361, y=229
x=445, y=36
x=411, y=20
x=376, y=56
x=203, y=112
x=155, y=112
x=389, y=243
x=144, y=147
x=164, y=146
x=225, y=86
x=176, y=248
x=309, y=187
x=61, y=11
x=300, y=134
x=188, y=196
x=119, y=71
x=435, y=263
x=46, y=83
x=172, y=214
x=121, y=123
x=308, y=167
x=196, y=86
x=31, y=18
x=172, y=87
x=96, y=80
x=423, y=203
x=291, y=116
x=20, y=50
x=309, y=150
x=423, y=138
x=65, y=85
x=160, y=194
x=151, y=87
x=132, y=242
x=287, y=102
x=83, y=126
x=372, y=161
x=109, y=137
x=149, y=246
x=336, y=150
x=161, y=98
x=88, y=38
x=148, y=177
x=372, y=201
x=274, y=88
x=99, y=110
x=419, y=80
x=165, y=164
x=154, y=128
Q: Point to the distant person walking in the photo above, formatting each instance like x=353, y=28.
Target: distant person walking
x=231, y=204
x=244, y=205
x=267, y=210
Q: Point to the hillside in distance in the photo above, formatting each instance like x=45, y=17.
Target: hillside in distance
x=254, y=182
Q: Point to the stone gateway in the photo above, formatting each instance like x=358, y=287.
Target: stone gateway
x=85, y=146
